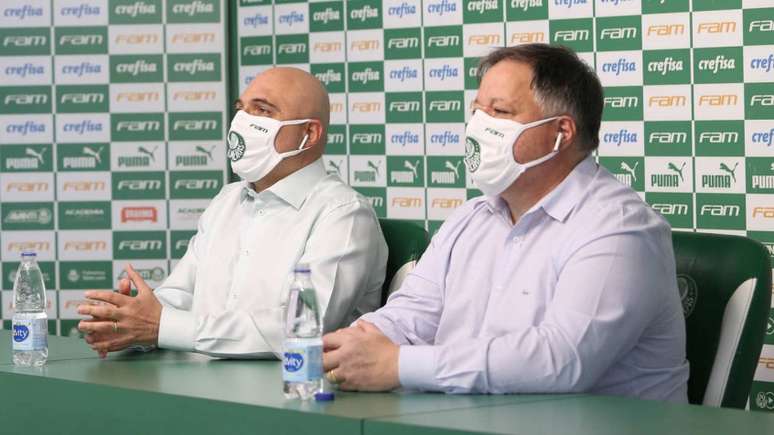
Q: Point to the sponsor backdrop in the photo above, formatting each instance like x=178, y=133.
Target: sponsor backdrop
x=111, y=139
x=689, y=99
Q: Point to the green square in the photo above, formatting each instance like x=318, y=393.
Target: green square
x=377, y=196
x=677, y=208
x=292, y=48
x=27, y=216
x=178, y=241
x=256, y=50
x=762, y=393
x=366, y=139
x=27, y=158
x=471, y=72
x=666, y=67
x=193, y=67
x=668, y=138
x=619, y=33
x=622, y=103
x=482, y=11
x=90, y=215
x=46, y=268
x=137, y=126
x=445, y=106
x=433, y=227
x=445, y=171
x=337, y=139
x=366, y=77
x=405, y=171
x=767, y=239
x=326, y=16
x=526, y=10
x=135, y=12
x=198, y=11
x=20, y=41
x=720, y=211
x=714, y=5
x=402, y=43
x=758, y=26
x=133, y=68
x=664, y=6
x=719, y=138
x=139, y=185
x=443, y=41
x=77, y=275
x=759, y=101
x=25, y=99
x=473, y=193
x=718, y=65
x=81, y=40
x=72, y=157
x=195, y=126
x=576, y=33
x=403, y=107
x=195, y=184
x=364, y=14
x=628, y=170
x=82, y=98
x=760, y=174
x=135, y=245
x=332, y=75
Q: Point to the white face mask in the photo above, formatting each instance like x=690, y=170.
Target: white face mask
x=489, y=151
x=251, y=145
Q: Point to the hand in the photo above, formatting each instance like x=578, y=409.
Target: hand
x=361, y=358
x=137, y=318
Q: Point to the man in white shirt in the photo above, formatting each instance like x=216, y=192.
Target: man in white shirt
x=559, y=279
x=224, y=296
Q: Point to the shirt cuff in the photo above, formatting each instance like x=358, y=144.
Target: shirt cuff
x=176, y=329
x=416, y=367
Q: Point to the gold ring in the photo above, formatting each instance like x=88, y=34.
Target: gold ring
x=115, y=326
x=331, y=377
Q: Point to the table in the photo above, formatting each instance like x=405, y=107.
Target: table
x=166, y=392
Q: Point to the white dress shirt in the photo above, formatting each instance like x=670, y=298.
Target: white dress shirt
x=579, y=295
x=223, y=297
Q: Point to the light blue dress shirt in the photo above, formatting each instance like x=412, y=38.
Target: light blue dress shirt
x=579, y=295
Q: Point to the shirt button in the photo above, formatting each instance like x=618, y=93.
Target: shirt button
x=261, y=212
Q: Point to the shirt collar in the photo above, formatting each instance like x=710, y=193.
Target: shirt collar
x=562, y=199
x=294, y=188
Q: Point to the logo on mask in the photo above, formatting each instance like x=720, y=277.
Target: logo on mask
x=236, y=146
x=472, y=154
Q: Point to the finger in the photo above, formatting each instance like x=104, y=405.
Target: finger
x=331, y=360
x=94, y=327
x=104, y=312
x=334, y=340
x=110, y=297
x=125, y=286
x=112, y=345
x=102, y=355
x=142, y=287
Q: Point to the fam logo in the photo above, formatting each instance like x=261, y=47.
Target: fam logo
x=758, y=27
x=619, y=33
x=138, y=185
x=403, y=107
x=576, y=34
x=26, y=99
x=137, y=126
x=367, y=139
x=25, y=41
x=724, y=211
x=622, y=103
x=402, y=44
x=292, y=48
x=443, y=41
x=195, y=126
x=195, y=184
x=759, y=101
x=677, y=208
x=82, y=99
x=444, y=106
x=139, y=245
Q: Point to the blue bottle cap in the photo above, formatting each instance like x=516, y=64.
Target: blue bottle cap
x=28, y=254
x=324, y=396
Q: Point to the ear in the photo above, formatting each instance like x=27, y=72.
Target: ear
x=568, y=130
x=315, y=132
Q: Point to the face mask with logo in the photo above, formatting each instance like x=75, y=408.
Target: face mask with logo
x=489, y=151
x=251, y=145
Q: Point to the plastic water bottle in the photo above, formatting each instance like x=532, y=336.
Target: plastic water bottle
x=302, y=375
x=30, y=322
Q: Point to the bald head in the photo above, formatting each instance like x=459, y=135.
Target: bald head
x=296, y=93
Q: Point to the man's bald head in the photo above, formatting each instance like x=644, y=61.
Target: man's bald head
x=297, y=93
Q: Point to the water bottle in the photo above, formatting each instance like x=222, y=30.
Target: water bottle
x=302, y=374
x=30, y=322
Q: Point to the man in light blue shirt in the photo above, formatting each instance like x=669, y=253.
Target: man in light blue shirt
x=559, y=279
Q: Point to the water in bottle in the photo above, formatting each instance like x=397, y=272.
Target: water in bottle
x=30, y=322
x=302, y=375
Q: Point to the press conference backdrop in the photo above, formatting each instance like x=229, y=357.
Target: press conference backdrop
x=111, y=138
x=113, y=115
x=689, y=99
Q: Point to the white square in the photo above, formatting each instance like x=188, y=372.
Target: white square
x=401, y=14
x=366, y=108
x=667, y=102
x=758, y=63
x=403, y=75
x=31, y=13
x=136, y=39
x=720, y=175
x=622, y=138
x=760, y=212
x=194, y=38
x=404, y=139
x=526, y=32
x=85, y=245
x=442, y=12
x=617, y=8
x=254, y=20
x=570, y=9
x=368, y=171
x=442, y=202
x=406, y=203
x=759, y=138
x=445, y=139
x=338, y=165
x=365, y=45
x=292, y=18
x=138, y=156
x=83, y=127
x=668, y=174
x=139, y=215
x=327, y=47
x=83, y=186
x=16, y=242
x=28, y=70
x=480, y=39
x=80, y=13
x=717, y=28
x=27, y=187
x=137, y=97
x=666, y=31
x=718, y=101
x=79, y=69
x=338, y=110
x=444, y=74
x=195, y=96
x=18, y=129
x=620, y=68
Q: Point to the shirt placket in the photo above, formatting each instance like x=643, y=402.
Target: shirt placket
x=254, y=210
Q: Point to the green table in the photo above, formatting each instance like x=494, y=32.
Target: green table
x=166, y=392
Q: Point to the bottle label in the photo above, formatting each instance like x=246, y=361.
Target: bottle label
x=302, y=362
x=30, y=334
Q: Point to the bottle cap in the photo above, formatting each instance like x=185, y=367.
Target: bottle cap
x=301, y=268
x=28, y=254
x=324, y=396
